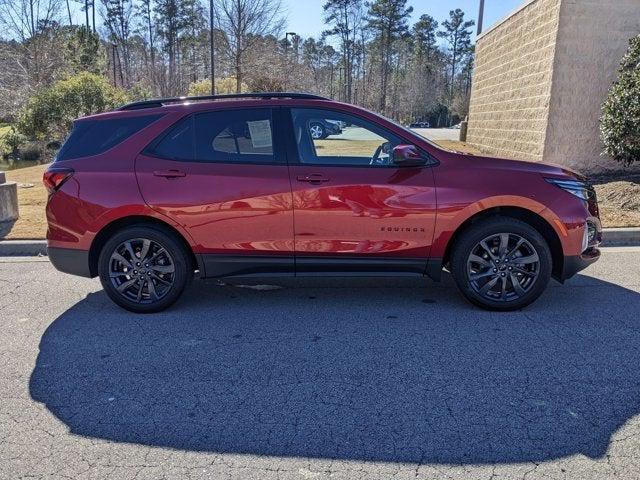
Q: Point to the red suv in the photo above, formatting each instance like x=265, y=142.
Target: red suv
x=242, y=185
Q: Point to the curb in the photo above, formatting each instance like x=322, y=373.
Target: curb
x=621, y=237
x=23, y=248
x=611, y=237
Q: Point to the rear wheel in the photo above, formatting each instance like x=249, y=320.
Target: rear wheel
x=144, y=269
x=501, y=264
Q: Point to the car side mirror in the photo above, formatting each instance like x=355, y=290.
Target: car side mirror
x=408, y=155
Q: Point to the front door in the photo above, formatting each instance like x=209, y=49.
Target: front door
x=222, y=177
x=354, y=210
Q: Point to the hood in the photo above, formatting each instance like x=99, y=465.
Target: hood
x=546, y=169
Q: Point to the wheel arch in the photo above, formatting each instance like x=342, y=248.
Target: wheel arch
x=534, y=219
x=134, y=220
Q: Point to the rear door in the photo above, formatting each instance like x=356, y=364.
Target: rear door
x=222, y=176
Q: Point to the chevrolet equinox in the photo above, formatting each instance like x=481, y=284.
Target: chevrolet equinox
x=150, y=194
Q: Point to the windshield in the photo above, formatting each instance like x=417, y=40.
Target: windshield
x=412, y=132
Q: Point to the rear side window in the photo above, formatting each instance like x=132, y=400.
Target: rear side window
x=234, y=136
x=92, y=137
x=229, y=136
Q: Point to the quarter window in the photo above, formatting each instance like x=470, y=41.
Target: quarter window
x=92, y=137
x=177, y=143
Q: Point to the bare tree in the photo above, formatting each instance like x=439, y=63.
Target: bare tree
x=144, y=12
x=116, y=16
x=21, y=19
x=243, y=22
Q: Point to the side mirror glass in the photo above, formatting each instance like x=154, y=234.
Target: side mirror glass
x=408, y=155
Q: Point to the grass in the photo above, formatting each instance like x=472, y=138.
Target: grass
x=32, y=223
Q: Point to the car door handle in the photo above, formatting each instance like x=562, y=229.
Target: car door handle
x=169, y=173
x=313, y=178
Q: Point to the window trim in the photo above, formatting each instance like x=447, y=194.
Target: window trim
x=278, y=150
x=293, y=151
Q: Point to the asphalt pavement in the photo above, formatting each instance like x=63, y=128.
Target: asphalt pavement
x=320, y=378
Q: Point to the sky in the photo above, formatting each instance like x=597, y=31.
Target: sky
x=305, y=16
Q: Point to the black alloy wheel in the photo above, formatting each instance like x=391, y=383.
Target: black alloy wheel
x=501, y=263
x=144, y=269
x=503, y=267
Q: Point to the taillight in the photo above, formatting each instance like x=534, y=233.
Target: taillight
x=54, y=177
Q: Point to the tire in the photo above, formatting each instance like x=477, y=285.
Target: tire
x=317, y=131
x=521, y=276
x=169, y=269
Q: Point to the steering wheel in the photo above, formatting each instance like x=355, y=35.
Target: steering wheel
x=377, y=159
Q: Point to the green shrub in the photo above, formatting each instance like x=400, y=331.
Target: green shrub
x=32, y=152
x=620, y=122
x=264, y=83
x=12, y=141
x=50, y=113
x=223, y=86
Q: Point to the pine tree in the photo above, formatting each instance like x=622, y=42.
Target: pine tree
x=344, y=17
x=458, y=37
x=388, y=20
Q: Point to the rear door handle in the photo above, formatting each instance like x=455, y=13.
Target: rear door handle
x=169, y=173
x=313, y=178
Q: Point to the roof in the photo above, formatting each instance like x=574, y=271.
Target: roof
x=159, y=102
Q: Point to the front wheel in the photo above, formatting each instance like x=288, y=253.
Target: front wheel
x=144, y=269
x=501, y=264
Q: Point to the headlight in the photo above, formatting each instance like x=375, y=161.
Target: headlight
x=580, y=189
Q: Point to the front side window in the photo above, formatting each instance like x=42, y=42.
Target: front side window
x=325, y=137
x=92, y=137
x=234, y=136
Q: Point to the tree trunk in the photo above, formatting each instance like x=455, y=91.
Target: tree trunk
x=69, y=12
x=151, y=50
x=238, y=69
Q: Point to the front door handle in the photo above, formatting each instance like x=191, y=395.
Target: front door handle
x=169, y=173
x=313, y=178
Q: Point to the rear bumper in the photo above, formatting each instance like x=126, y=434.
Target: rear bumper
x=70, y=260
x=575, y=263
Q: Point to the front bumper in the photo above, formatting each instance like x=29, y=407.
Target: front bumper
x=575, y=263
x=71, y=260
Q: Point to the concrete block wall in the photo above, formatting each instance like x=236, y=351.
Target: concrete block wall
x=511, y=88
x=541, y=76
x=593, y=36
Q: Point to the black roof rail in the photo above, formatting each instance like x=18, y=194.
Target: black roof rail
x=159, y=102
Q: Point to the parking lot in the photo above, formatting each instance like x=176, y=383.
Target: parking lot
x=320, y=378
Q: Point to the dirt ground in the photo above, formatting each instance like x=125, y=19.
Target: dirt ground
x=32, y=223
x=619, y=199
